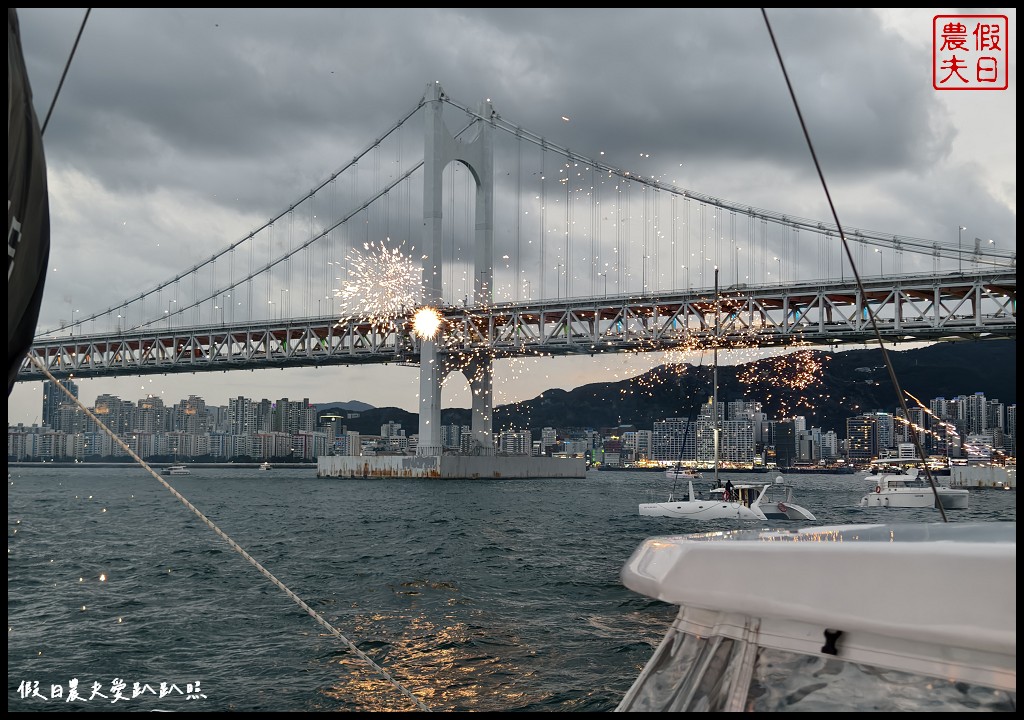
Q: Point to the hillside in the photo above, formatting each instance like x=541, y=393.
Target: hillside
x=825, y=387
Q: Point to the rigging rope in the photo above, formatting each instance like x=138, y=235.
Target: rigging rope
x=64, y=74
x=856, y=274
x=234, y=546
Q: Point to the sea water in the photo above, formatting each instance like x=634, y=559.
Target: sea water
x=474, y=595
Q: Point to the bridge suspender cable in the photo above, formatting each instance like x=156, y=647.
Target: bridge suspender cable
x=235, y=546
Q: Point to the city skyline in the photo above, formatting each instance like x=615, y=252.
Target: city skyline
x=278, y=428
x=323, y=406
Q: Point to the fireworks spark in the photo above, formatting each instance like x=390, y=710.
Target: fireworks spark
x=384, y=284
x=426, y=323
x=786, y=382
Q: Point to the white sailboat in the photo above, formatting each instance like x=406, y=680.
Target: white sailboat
x=761, y=501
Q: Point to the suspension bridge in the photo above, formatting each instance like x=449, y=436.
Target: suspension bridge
x=525, y=248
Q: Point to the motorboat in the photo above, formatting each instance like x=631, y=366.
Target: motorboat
x=177, y=470
x=266, y=466
x=906, y=488
x=681, y=473
x=765, y=501
x=797, y=622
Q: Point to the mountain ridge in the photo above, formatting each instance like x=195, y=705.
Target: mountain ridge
x=824, y=386
x=348, y=405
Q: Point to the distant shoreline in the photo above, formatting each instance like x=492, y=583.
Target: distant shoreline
x=760, y=471
x=226, y=465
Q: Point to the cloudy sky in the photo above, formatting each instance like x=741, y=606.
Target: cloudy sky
x=177, y=131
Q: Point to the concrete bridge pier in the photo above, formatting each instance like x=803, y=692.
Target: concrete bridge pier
x=431, y=375
x=480, y=373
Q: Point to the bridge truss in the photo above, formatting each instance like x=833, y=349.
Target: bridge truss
x=927, y=308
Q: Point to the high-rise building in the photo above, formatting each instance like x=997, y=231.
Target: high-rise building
x=548, y=439
x=640, y=442
x=242, y=416
x=117, y=414
x=829, y=445
x=736, y=441
x=294, y=417
x=674, y=440
x=511, y=442
x=918, y=424
x=348, y=443
x=151, y=416
x=1010, y=444
x=70, y=419
x=862, y=438
x=264, y=416
x=885, y=431
x=332, y=425
x=976, y=413
x=743, y=410
x=53, y=398
x=808, y=445
x=451, y=436
x=392, y=429
x=190, y=416
x=784, y=434
x=996, y=412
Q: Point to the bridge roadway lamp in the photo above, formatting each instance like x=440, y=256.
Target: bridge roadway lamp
x=960, y=247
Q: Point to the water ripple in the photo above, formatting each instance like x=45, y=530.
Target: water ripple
x=476, y=595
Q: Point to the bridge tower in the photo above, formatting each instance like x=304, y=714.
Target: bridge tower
x=477, y=154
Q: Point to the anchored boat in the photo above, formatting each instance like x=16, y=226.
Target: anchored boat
x=907, y=489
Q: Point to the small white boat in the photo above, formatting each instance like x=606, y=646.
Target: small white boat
x=908, y=489
x=843, y=616
x=177, y=470
x=766, y=501
x=266, y=466
x=692, y=507
x=681, y=473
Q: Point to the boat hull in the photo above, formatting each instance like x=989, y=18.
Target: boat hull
x=769, y=501
x=786, y=511
x=700, y=510
x=682, y=475
x=951, y=498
